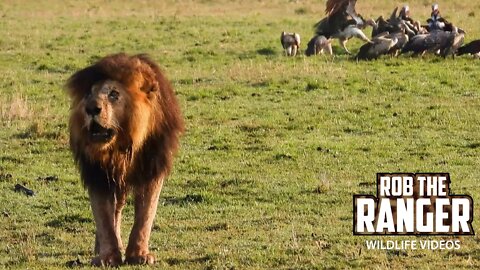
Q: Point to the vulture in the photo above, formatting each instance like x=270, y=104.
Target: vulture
x=290, y=43
x=380, y=45
x=471, y=48
x=437, y=22
x=342, y=22
x=394, y=24
x=437, y=41
x=317, y=45
x=402, y=39
x=417, y=44
x=381, y=26
x=409, y=22
x=445, y=26
x=455, y=41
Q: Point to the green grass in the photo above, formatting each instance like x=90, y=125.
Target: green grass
x=275, y=147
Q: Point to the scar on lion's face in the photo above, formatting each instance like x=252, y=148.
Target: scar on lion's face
x=104, y=111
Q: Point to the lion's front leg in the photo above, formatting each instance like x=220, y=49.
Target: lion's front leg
x=107, y=243
x=146, y=200
x=119, y=201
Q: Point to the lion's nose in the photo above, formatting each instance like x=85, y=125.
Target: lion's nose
x=93, y=109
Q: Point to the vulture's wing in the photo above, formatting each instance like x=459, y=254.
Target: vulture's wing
x=338, y=13
x=393, y=16
x=351, y=11
x=333, y=6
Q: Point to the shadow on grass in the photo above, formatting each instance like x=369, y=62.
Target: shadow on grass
x=266, y=51
x=177, y=261
x=65, y=220
x=473, y=145
x=182, y=201
x=38, y=130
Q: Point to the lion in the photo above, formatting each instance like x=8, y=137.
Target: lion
x=125, y=126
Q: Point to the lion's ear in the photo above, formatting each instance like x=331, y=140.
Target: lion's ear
x=150, y=83
x=151, y=74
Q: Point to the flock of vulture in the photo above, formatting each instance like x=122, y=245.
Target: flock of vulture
x=397, y=35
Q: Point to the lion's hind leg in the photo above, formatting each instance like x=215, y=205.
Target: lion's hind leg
x=107, y=243
x=146, y=201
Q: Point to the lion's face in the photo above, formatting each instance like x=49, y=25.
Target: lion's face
x=123, y=108
x=104, y=112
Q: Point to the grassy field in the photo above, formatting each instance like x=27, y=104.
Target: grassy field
x=275, y=147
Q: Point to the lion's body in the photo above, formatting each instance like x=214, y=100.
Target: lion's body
x=124, y=131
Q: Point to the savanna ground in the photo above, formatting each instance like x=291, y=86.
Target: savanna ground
x=275, y=147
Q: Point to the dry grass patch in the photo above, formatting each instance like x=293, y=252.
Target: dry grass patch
x=15, y=108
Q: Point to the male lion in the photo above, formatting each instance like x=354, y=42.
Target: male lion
x=125, y=126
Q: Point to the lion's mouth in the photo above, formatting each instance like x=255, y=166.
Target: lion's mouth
x=100, y=134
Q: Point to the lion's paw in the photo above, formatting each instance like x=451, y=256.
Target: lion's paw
x=112, y=259
x=140, y=259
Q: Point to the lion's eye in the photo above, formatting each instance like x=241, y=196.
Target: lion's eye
x=113, y=95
